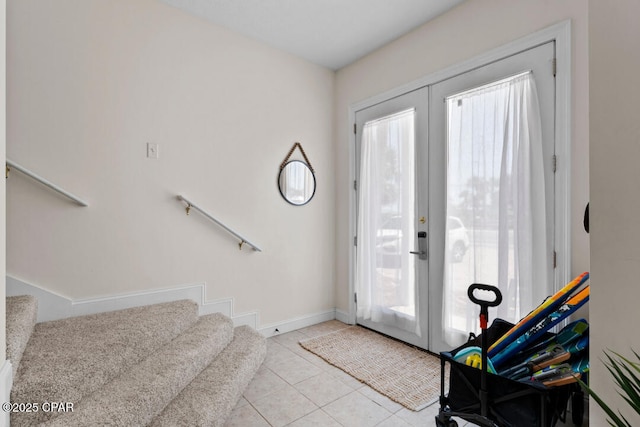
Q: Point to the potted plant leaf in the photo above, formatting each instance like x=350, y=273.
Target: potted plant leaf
x=626, y=374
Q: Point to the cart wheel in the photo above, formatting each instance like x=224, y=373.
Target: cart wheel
x=577, y=408
x=445, y=423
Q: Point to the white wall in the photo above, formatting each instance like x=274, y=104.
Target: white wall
x=5, y=372
x=469, y=30
x=614, y=64
x=90, y=83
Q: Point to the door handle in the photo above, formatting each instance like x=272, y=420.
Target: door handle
x=422, y=245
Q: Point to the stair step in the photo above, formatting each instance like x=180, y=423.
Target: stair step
x=142, y=392
x=21, y=317
x=68, y=359
x=209, y=399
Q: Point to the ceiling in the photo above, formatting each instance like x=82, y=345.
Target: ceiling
x=331, y=33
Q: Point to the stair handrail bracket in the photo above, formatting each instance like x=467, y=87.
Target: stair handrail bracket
x=13, y=165
x=243, y=240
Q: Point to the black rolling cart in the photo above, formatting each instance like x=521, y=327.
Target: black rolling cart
x=490, y=400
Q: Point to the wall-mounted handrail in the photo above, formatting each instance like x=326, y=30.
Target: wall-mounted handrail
x=44, y=181
x=191, y=205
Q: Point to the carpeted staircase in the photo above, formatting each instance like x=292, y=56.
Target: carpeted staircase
x=158, y=365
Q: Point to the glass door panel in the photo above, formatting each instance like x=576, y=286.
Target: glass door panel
x=391, y=257
x=492, y=140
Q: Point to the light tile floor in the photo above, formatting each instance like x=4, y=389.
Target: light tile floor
x=296, y=388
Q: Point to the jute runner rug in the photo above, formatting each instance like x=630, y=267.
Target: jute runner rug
x=403, y=373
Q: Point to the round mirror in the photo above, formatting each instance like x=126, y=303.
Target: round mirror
x=297, y=183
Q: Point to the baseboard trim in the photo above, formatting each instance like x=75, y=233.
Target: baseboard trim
x=297, y=323
x=6, y=383
x=343, y=316
x=52, y=306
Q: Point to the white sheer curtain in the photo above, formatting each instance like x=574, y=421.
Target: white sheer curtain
x=385, y=272
x=495, y=186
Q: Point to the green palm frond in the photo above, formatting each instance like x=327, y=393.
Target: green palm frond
x=626, y=375
x=617, y=421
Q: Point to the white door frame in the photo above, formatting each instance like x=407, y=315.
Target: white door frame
x=561, y=33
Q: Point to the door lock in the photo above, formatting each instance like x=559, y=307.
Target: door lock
x=422, y=245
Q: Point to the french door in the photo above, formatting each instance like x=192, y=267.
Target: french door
x=455, y=185
x=391, y=262
x=492, y=129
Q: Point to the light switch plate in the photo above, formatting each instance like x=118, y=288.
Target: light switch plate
x=152, y=150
